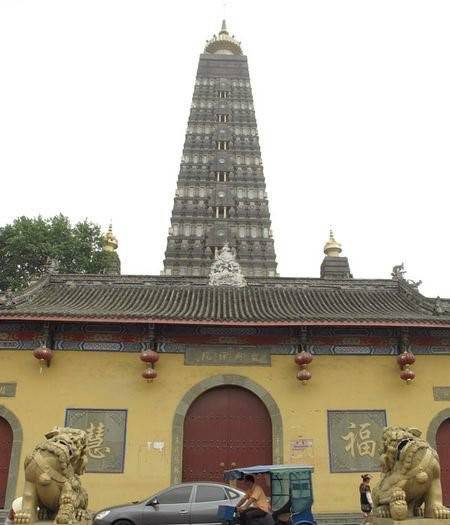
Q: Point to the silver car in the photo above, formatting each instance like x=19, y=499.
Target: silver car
x=185, y=504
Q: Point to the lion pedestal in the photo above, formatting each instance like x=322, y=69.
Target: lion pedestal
x=410, y=521
x=410, y=487
x=53, y=491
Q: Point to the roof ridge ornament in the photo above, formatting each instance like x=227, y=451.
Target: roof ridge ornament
x=110, y=243
x=439, y=307
x=7, y=299
x=52, y=265
x=225, y=270
x=332, y=248
x=398, y=274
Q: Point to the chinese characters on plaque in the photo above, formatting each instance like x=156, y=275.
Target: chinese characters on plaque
x=353, y=436
x=106, y=430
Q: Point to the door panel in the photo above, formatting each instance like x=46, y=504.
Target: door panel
x=174, y=507
x=225, y=427
x=6, y=439
x=443, y=449
x=206, y=502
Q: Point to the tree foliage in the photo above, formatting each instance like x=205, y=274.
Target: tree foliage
x=28, y=244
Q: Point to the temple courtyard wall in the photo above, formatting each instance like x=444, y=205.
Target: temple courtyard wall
x=330, y=422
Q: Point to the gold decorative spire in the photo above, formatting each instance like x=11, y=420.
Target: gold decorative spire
x=332, y=248
x=110, y=243
x=224, y=44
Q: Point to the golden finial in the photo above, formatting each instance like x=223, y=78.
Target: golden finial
x=332, y=248
x=223, y=44
x=110, y=243
x=224, y=28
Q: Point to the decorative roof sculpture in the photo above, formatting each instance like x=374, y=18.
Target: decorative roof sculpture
x=110, y=243
x=332, y=248
x=398, y=274
x=225, y=270
x=224, y=44
x=111, y=257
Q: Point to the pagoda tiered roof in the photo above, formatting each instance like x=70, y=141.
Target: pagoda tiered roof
x=191, y=300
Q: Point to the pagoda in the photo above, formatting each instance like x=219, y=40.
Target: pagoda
x=221, y=193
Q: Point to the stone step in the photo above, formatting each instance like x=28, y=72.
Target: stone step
x=322, y=519
x=344, y=518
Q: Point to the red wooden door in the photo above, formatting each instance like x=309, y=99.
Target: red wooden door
x=443, y=449
x=225, y=427
x=6, y=439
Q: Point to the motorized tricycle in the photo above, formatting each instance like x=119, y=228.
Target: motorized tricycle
x=291, y=494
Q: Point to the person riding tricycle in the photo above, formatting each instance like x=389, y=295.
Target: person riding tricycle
x=290, y=502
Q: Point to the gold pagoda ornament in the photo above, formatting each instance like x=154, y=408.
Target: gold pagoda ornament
x=332, y=248
x=110, y=243
x=223, y=43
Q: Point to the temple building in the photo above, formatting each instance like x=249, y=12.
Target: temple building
x=219, y=361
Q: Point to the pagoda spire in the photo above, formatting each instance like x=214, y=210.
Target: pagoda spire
x=224, y=27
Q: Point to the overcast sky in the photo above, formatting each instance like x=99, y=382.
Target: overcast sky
x=352, y=101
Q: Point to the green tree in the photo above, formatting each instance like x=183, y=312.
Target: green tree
x=28, y=244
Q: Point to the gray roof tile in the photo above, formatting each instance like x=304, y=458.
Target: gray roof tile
x=192, y=300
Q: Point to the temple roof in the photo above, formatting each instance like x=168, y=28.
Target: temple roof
x=264, y=301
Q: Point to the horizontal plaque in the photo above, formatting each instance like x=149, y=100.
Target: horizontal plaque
x=8, y=389
x=441, y=393
x=227, y=356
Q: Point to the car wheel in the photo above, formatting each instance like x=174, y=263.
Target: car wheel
x=123, y=522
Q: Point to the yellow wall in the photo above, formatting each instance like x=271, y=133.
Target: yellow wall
x=113, y=380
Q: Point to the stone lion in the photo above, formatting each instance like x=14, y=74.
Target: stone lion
x=52, y=485
x=410, y=479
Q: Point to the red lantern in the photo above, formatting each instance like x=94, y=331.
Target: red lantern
x=303, y=358
x=149, y=356
x=43, y=354
x=407, y=375
x=406, y=358
x=304, y=375
x=149, y=374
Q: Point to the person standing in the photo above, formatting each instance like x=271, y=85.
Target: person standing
x=365, y=496
x=254, y=503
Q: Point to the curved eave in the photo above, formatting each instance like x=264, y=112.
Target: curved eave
x=264, y=302
x=300, y=322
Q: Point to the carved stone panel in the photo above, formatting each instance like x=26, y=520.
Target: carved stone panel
x=353, y=437
x=225, y=355
x=106, y=430
x=441, y=393
x=8, y=389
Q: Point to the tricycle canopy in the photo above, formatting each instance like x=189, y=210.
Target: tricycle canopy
x=239, y=473
x=291, y=487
